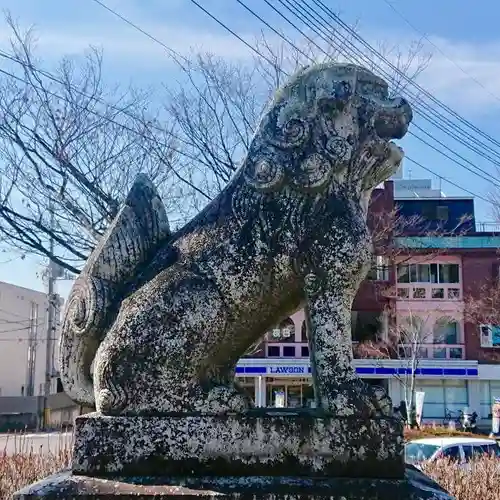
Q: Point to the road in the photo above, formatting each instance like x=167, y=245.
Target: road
x=37, y=441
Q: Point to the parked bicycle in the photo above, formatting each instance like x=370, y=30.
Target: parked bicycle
x=452, y=418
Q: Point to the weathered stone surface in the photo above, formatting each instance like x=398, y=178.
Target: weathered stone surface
x=304, y=443
x=171, y=314
x=64, y=485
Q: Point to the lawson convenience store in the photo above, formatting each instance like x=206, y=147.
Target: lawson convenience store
x=449, y=385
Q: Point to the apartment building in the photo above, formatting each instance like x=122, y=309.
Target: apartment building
x=23, y=334
x=430, y=280
x=23, y=355
x=426, y=284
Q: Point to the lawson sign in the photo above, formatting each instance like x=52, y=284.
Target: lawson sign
x=374, y=371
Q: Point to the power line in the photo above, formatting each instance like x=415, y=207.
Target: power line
x=138, y=28
x=156, y=40
x=98, y=115
x=23, y=329
x=425, y=168
x=486, y=176
x=228, y=29
x=436, y=101
x=424, y=36
x=424, y=113
x=452, y=182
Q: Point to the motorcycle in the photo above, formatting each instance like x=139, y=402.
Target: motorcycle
x=468, y=421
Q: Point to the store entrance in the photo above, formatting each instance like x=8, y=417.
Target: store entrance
x=289, y=393
x=298, y=393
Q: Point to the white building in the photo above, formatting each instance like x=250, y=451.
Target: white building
x=23, y=337
x=23, y=340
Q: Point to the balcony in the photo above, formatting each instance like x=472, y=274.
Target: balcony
x=435, y=351
x=448, y=242
x=435, y=291
x=300, y=350
x=487, y=227
x=287, y=350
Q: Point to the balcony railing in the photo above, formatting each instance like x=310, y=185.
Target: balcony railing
x=448, y=242
x=287, y=350
x=487, y=227
x=427, y=351
x=434, y=291
x=435, y=351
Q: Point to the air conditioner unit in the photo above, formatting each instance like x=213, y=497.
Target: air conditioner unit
x=490, y=335
x=276, y=333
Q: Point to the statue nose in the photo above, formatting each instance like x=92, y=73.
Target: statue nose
x=405, y=108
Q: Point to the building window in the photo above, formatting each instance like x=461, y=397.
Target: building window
x=273, y=351
x=380, y=269
x=446, y=332
x=490, y=335
x=284, y=332
x=442, y=396
x=442, y=213
x=428, y=273
x=289, y=351
x=432, y=212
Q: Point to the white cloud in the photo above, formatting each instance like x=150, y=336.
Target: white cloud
x=450, y=77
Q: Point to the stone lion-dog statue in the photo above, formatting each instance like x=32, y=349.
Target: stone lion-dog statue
x=157, y=320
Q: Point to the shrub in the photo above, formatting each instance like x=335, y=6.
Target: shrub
x=25, y=464
x=430, y=431
x=479, y=482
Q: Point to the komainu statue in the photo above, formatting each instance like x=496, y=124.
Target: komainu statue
x=163, y=317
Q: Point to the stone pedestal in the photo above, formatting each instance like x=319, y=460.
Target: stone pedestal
x=260, y=442
x=65, y=485
x=260, y=455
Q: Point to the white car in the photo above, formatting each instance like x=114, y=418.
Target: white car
x=457, y=449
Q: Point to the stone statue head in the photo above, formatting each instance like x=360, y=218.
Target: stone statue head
x=330, y=127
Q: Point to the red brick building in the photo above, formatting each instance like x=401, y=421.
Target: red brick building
x=442, y=262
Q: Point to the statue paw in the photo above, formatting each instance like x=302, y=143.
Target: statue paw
x=359, y=399
x=223, y=399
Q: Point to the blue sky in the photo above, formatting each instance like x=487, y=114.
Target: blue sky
x=468, y=38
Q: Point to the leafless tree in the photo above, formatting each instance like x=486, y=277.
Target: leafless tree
x=70, y=145
x=410, y=335
x=217, y=104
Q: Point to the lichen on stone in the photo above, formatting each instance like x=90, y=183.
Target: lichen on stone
x=171, y=314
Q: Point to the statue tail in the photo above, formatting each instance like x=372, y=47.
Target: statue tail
x=86, y=319
x=131, y=240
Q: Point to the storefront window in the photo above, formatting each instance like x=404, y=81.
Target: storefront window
x=291, y=393
x=441, y=396
x=276, y=396
x=456, y=395
x=489, y=391
x=248, y=385
x=294, y=397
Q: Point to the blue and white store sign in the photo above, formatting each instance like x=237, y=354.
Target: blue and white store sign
x=296, y=370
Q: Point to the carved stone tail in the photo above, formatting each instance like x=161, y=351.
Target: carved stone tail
x=86, y=318
x=133, y=237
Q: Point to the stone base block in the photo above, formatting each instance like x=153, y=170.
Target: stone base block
x=415, y=486
x=258, y=443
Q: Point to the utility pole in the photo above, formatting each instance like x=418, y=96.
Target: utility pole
x=51, y=323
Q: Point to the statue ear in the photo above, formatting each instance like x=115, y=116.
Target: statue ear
x=293, y=134
x=264, y=174
x=316, y=170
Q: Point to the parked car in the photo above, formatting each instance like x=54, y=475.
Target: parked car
x=459, y=449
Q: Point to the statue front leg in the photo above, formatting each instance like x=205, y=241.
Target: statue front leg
x=337, y=387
